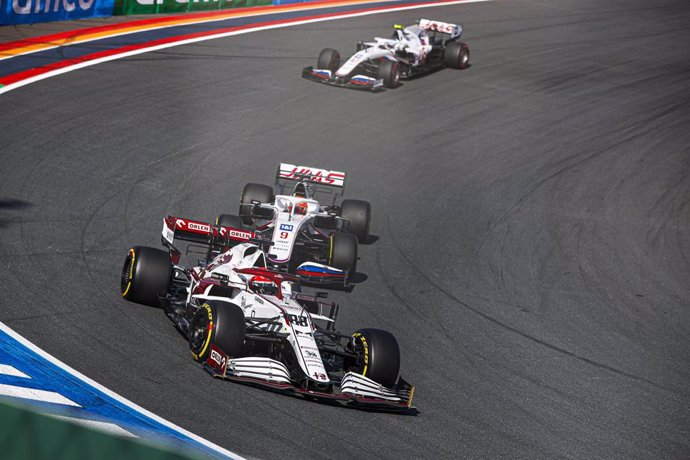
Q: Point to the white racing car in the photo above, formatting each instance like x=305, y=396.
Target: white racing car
x=247, y=323
x=411, y=51
x=314, y=236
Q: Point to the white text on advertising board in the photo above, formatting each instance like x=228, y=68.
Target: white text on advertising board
x=48, y=6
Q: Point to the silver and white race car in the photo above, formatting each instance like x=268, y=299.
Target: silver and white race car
x=412, y=51
x=247, y=323
x=314, y=236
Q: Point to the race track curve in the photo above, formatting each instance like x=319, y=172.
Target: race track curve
x=532, y=214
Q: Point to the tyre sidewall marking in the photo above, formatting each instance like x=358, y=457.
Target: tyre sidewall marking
x=209, y=328
x=363, y=339
x=132, y=255
x=330, y=249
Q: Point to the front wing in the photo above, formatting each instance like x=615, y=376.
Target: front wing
x=354, y=389
x=359, y=82
x=315, y=273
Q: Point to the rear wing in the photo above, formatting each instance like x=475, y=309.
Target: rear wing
x=194, y=231
x=320, y=180
x=452, y=30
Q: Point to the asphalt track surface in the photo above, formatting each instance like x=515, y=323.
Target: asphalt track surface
x=532, y=214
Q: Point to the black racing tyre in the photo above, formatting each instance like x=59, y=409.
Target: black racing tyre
x=456, y=55
x=146, y=275
x=378, y=355
x=358, y=212
x=218, y=323
x=229, y=220
x=389, y=72
x=255, y=192
x=328, y=59
x=343, y=252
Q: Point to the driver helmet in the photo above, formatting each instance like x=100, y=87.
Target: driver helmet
x=301, y=208
x=263, y=285
x=396, y=31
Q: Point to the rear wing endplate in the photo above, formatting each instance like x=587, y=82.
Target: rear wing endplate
x=454, y=30
x=320, y=180
x=309, y=174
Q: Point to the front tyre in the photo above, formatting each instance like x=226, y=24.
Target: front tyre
x=328, y=59
x=358, y=212
x=216, y=323
x=254, y=192
x=343, y=252
x=378, y=355
x=229, y=220
x=146, y=275
x=389, y=72
x=456, y=55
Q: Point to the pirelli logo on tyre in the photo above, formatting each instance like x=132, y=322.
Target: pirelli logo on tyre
x=363, y=339
x=209, y=333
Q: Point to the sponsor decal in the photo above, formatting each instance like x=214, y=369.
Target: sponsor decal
x=286, y=227
x=319, y=376
x=299, y=320
x=30, y=11
x=217, y=358
x=321, y=176
x=199, y=227
x=437, y=26
x=284, y=235
x=310, y=354
x=239, y=234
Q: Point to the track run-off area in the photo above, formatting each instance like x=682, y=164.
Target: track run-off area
x=532, y=216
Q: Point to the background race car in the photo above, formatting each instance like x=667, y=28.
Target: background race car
x=315, y=234
x=250, y=324
x=412, y=51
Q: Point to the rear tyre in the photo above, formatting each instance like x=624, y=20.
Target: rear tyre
x=328, y=59
x=378, y=355
x=255, y=192
x=456, y=55
x=389, y=72
x=146, y=275
x=343, y=252
x=229, y=220
x=216, y=323
x=358, y=212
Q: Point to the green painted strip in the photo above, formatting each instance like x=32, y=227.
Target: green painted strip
x=33, y=436
x=125, y=7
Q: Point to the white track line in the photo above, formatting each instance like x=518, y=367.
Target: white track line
x=35, y=395
x=201, y=21
x=109, y=428
x=113, y=57
x=12, y=371
x=4, y=328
